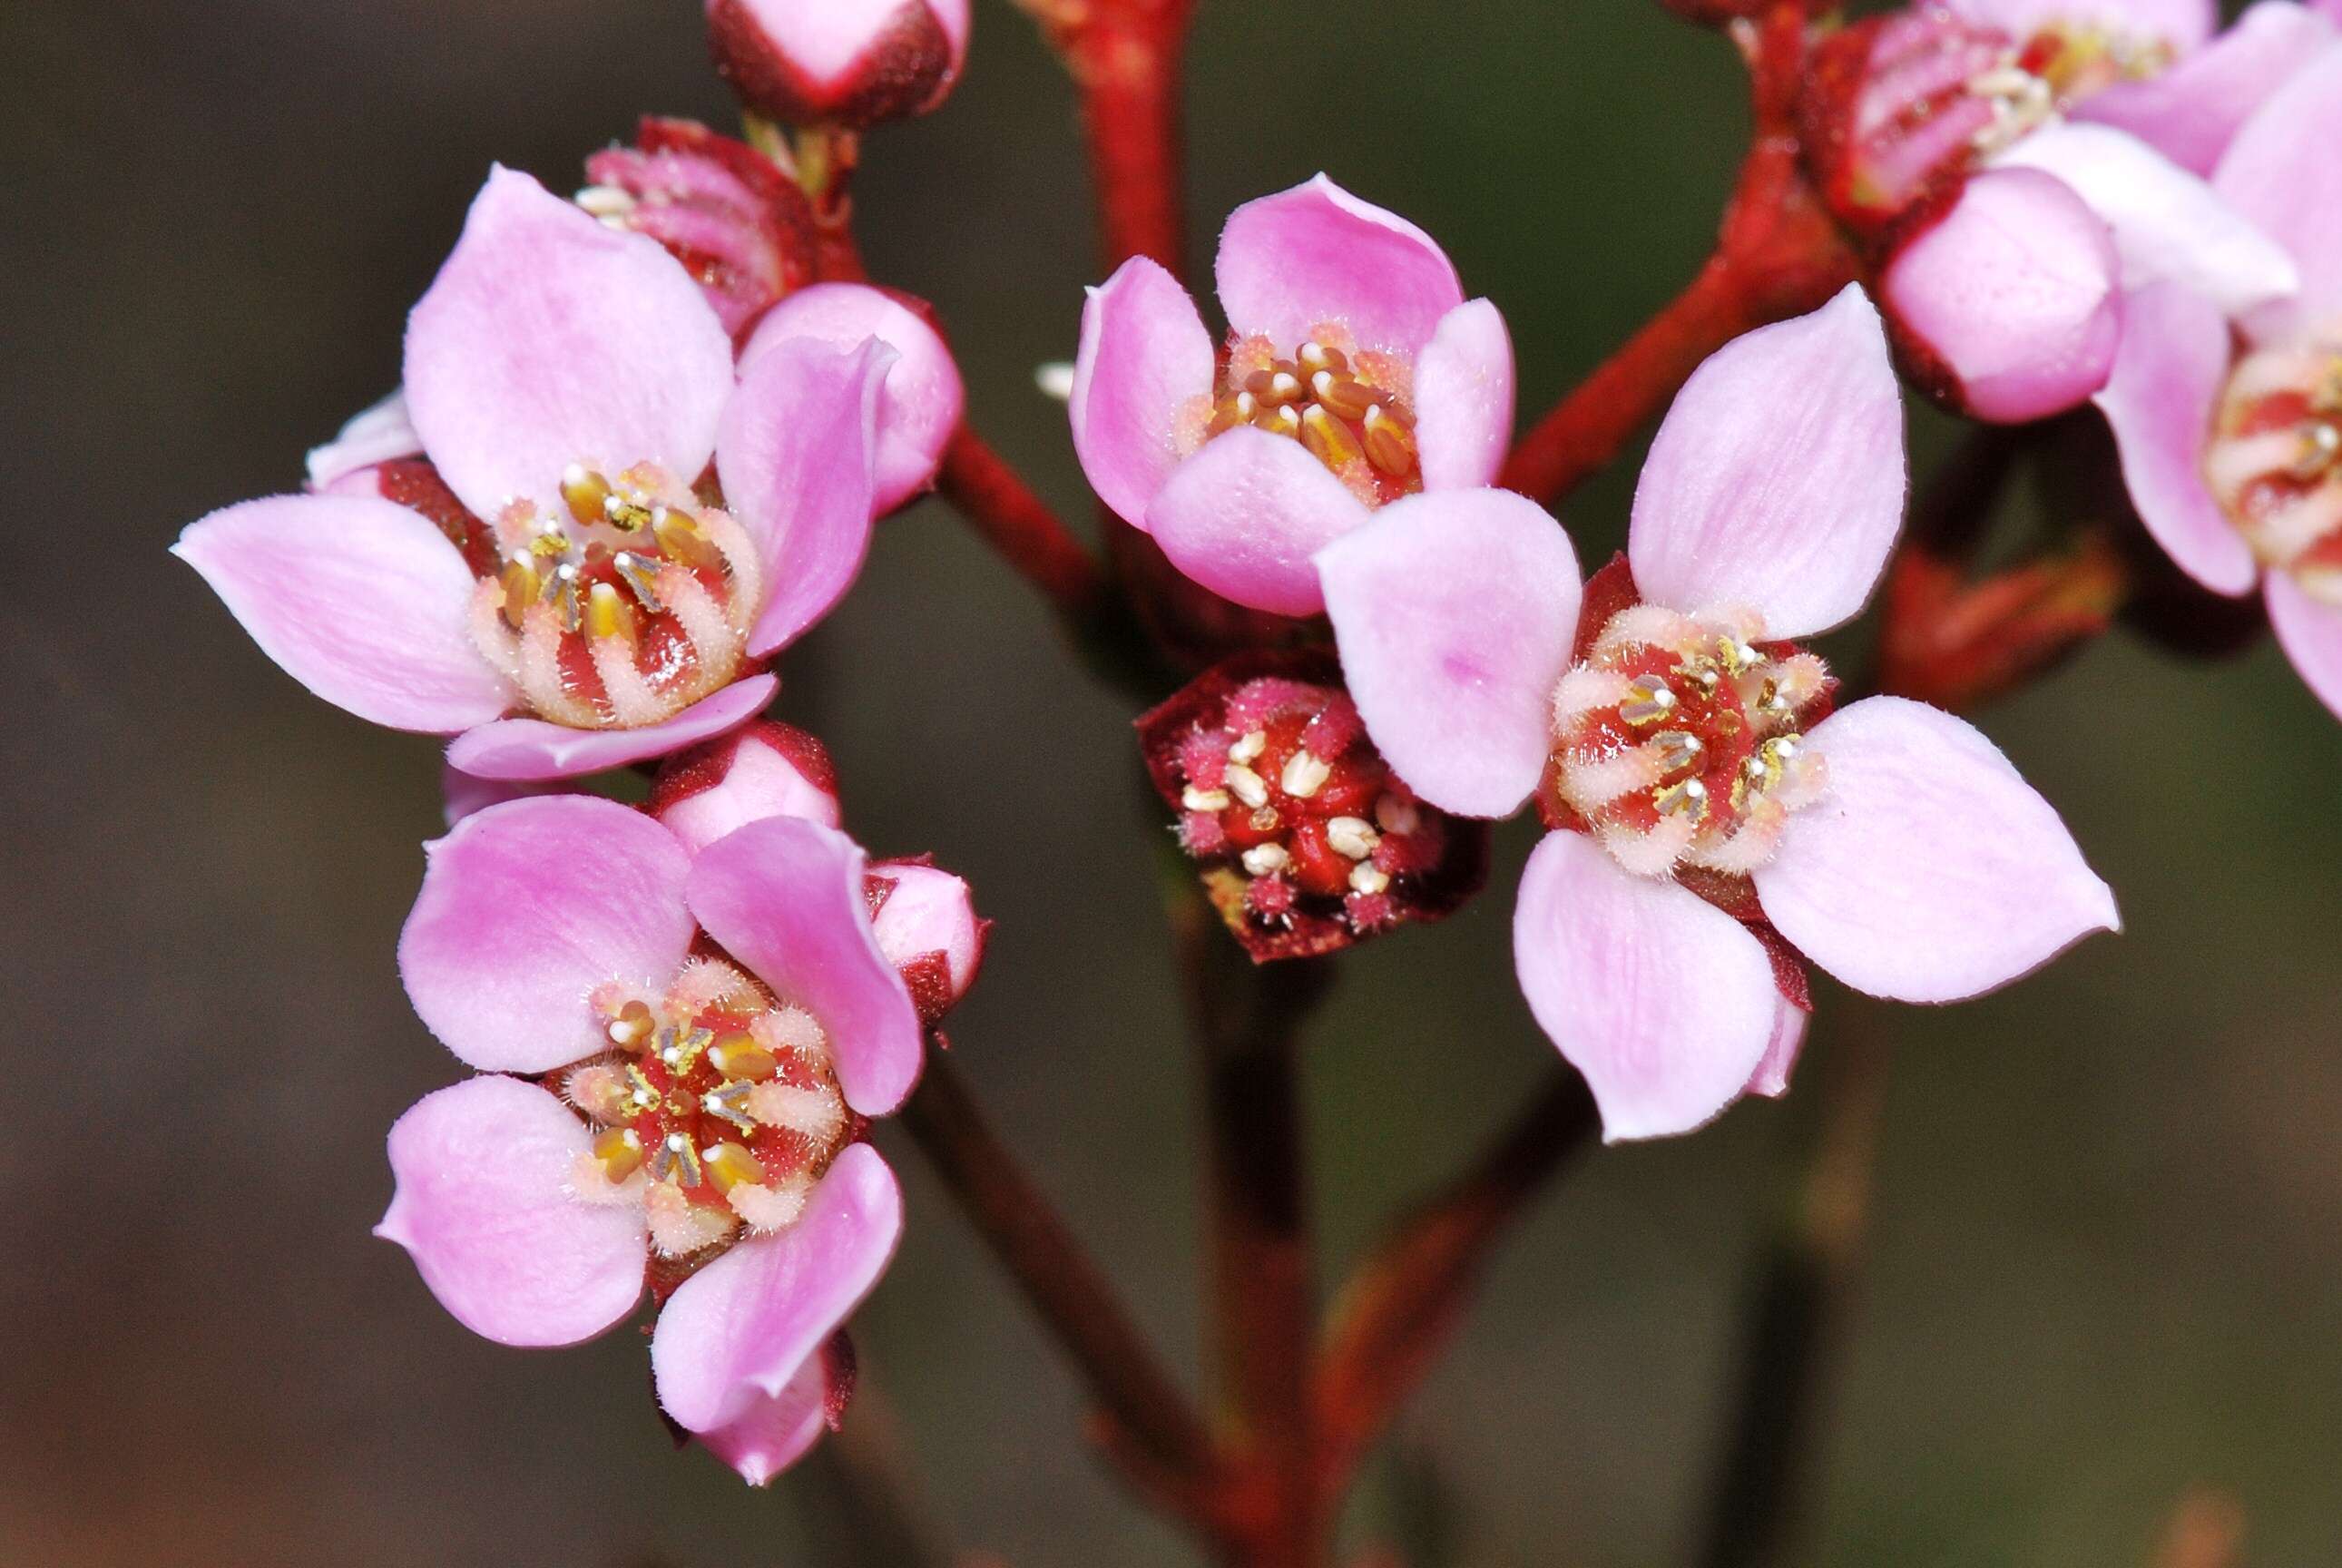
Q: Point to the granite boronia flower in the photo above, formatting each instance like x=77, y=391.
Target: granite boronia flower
x=657, y=1105
x=569, y=384
x=850, y=63
x=1355, y=373
x=1713, y=817
x=2231, y=444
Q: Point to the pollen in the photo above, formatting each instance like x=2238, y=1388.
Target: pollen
x=1348, y=408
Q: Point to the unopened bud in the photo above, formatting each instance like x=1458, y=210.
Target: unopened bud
x=926, y=925
x=764, y=769
x=843, y=63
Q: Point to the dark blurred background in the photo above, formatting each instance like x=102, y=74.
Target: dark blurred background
x=2106, y=1256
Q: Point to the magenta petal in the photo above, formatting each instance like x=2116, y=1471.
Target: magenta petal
x=2281, y=174
x=1143, y=357
x=483, y=1208
x=773, y=1432
x=2182, y=23
x=2159, y=402
x=528, y=750
x=1929, y=871
x=525, y=908
x=740, y=1329
x=1776, y=481
x=2309, y=630
x=1771, y=1078
x=2189, y=113
x=920, y=400
x=1463, y=398
x=1664, y=1003
x=549, y=339
x=1316, y=254
x=796, y=457
x=786, y=898
x=1454, y=612
x=1243, y=516
x=376, y=434
x=359, y=599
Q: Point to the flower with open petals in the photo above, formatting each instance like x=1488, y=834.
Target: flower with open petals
x=1713, y=817
x=1355, y=373
x=677, y=1054
x=2231, y=442
x=576, y=596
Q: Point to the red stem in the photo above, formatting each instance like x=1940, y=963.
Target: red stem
x=1124, y=56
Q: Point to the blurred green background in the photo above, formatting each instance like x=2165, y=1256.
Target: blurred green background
x=2106, y=1254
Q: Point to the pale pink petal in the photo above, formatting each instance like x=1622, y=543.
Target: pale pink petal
x=764, y=769
x=2189, y=113
x=796, y=457
x=1463, y=398
x=1316, y=254
x=1776, y=481
x=1243, y=516
x=549, y=339
x=532, y=749
x=1143, y=357
x=2281, y=172
x=2169, y=227
x=483, y=1208
x=2181, y=24
x=378, y=433
x=461, y=794
x=1771, y=1078
x=525, y=908
x=1664, y=1003
x=920, y=401
x=2013, y=291
x=2175, y=356
x=741, y=1329
x=773, y=1431
x=785, y=897
x=1454, y=612
x=927, y=910
x=363, y=602
x=1929, y=871
x=2309, y=630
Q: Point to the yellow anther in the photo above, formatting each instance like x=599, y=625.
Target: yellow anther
x=1688, y=798
x=1329, y=439
x=620, y=1151
x=607, y=616
x=1390, y=446
x=1345, y=397
x=626, y=516
x=632, y=1028
x=584, y=492
x=520, y=585
x=739, y=1056
x=730, y=1165
x=1649, y=699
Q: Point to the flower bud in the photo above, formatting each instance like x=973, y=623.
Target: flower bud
x=763, y=769
x=926, y=925
x=843, y=63
x=2008, y=305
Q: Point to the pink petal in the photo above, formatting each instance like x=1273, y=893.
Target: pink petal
x=2013, y=292
x=1664, y=1003
x=2168, y=224
x=1316, y=254
x=785, y=897
x=766, y=769
x=2309, y=630
x=1463, y=398
x=1143, y=357
x=2280, y=173
x=363, y=602
x=462, y=796
x=1775, y=481
x=2182, y=23
x=796, y=457
x=532, y=749
x=1929, y=870
x=483, y=1208
x=1243, y=516
x=773, y=1431
x=376, y=434
x=525, y=908
x=920, y=400
x=2159, y=402
x=740, y=1329
x=549, y=339
x=1771, y=1078
x=1454, y=613
x=2189, y=113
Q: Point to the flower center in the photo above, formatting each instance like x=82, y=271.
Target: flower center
x=1348, y=407
x=715, y=1109
x=2275, y=462
x=2057, y=67
x=1680, y=739
x=630, y=607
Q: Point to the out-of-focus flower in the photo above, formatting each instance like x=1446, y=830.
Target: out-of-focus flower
x=675, y=1052
x=2232, y=446
x=1308, y=840
x=570, y=594
x=844, y=63
x=1713, y=817
x=1355, y=373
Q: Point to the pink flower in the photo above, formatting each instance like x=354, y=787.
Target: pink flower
x=1714, y=818
x=569, y=384
x=926, y=922
x=2231, y=443
x=655, y=1109
x=762, y=769
x=848, y=63
x=1356, y=373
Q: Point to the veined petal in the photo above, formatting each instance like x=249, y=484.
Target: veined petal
x=2190, y=111
x=1463, y=398
x=2279, y=173
x=2309, y=630
x=1316, y=254
x=1243, y=516
x=1143, y=356
x=533, y=750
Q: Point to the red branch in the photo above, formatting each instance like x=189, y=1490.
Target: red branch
x=1124, y=56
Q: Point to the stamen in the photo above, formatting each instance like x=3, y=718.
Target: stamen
x=1649, y=699
x=584, y=492
x=1305, y=774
